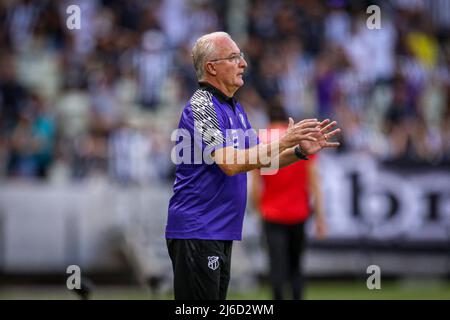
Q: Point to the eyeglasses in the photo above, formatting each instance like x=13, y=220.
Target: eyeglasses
x=236, y=58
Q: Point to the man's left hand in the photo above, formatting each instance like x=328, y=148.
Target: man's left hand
x=322, y=138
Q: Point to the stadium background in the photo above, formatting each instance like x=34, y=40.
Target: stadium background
x=86, y=117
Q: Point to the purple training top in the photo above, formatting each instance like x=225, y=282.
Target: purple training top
x=208, y=204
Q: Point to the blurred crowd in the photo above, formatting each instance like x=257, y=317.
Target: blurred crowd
x=104, y=99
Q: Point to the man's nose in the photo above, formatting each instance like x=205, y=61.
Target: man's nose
x=243, y=63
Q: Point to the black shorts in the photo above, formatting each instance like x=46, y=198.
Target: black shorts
x=201, y=268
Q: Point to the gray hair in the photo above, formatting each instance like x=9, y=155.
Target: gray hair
x=203, y=49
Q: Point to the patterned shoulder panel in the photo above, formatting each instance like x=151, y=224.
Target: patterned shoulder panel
x=205, y=118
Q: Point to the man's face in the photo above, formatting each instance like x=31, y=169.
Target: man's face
x=229, y=64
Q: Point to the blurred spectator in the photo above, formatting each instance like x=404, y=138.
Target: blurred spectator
x=337, y=23
x=326, y=84
x=12, y=95
x=295, y=83
x=21, y=19
x=404, y=127
x=130, y=154
x=422, y=43
x=32, y=141
x=152, y=62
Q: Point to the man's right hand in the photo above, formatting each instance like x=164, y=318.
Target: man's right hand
x=303, y=130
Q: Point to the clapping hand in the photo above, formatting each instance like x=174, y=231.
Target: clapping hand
x=321, y=137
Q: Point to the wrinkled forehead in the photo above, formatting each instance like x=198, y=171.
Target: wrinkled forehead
x=225, y=46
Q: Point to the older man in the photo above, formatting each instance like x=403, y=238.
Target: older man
x=206, y=211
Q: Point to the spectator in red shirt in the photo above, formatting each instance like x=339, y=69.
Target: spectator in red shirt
x=283, y=199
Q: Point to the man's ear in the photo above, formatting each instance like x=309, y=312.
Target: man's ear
x=210, y=68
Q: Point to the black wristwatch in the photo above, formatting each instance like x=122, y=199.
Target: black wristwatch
x=298, y=152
